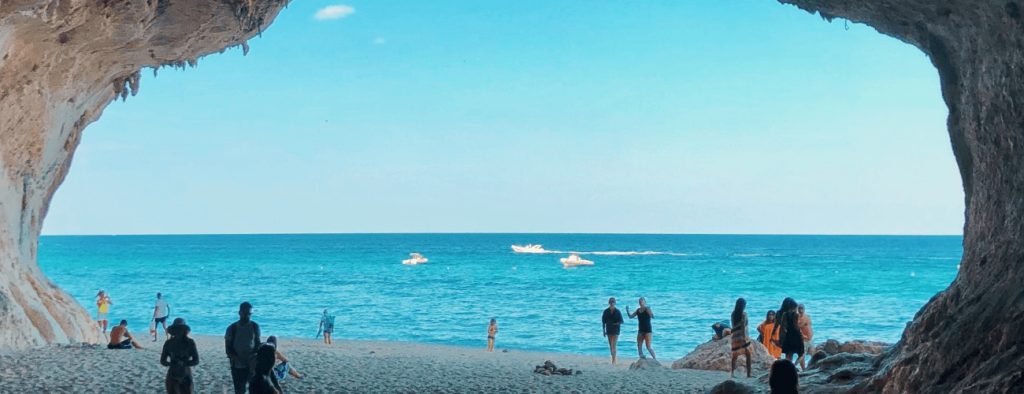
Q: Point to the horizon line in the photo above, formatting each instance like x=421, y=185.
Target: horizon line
x=507, y=233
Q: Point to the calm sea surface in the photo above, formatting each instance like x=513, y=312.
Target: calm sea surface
x=854, y=287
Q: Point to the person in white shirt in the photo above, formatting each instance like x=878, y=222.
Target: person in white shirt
x=160, y=314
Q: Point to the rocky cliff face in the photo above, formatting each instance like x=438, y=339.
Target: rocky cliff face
x=61, y=63
x=970, y=337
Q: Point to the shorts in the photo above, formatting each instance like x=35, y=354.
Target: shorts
x=281, y=370
x=329, y=329
x=102, y=316
x=162, y=320
x=809, y=347
x=125, y=344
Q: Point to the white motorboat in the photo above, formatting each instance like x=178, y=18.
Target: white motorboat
x=416, y=259
x=531, y=248
x=574, y=260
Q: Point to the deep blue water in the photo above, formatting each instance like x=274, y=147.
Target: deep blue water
x=854, y=287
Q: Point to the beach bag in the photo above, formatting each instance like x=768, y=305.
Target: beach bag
x=152, y=326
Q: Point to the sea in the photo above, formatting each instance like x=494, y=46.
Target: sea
x=853, y=287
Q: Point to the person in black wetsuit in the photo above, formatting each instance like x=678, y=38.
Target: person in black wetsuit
x=610, y=323
x=786, y=323
x=643, y=335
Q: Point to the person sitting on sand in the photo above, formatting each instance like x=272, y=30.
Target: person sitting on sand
x=120, y=338
x=720, y=330
x=492, y=330
x=285, y=368
x=611, y=322
x=740, y=341
x=783, y=379
x=805, y=330
x=768, y=334
x=179, y=355
x=327, y=325
x=644, y=332
x=264, y=381
x=102, y=309
x=787, y=326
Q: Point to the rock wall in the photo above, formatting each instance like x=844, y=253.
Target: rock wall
x=61, y=63
x=970, y=337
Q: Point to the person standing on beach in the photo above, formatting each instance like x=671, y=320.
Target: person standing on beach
x=327, y=326
x=787, y=325
x=492, y=331
x=102, y=309
x=160, y=314
x=768, y=334
x=611, y=322
x=241, y=341
x=740, y=341
x=120, y=338
x=179, y=355
x=644, y=332
x=805, y=330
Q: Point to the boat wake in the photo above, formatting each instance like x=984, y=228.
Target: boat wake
x=538, y=249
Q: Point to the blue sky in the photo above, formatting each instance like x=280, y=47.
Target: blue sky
x=529, y=116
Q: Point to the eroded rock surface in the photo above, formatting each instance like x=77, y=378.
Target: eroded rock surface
x=717, y=356
x=61, y=63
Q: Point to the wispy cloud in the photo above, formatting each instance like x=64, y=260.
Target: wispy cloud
x=334, y=12
x=379, y=40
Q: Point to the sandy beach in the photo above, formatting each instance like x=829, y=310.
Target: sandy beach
x=347, y=367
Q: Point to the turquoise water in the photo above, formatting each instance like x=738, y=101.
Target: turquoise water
x=854, y=287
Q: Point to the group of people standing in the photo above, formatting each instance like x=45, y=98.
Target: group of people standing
x=611, y=322
x=255, y=365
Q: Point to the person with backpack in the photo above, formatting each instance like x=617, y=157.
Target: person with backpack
x=241, y=341
x=327, y=326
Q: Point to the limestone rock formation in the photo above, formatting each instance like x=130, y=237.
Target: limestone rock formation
x=732, y=387
x=717, y=356
x=833, y=347
x=61, y=63
x=970, y=337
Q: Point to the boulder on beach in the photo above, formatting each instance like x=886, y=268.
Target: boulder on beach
x=732, y=387
x=833, y=347
x=646, y=364
x=717, y=356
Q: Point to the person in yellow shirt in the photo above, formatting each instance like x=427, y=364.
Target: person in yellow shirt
x=103, y=307
x=766, y=329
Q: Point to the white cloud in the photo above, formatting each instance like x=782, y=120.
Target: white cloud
x=334, y=12
x=379, y=40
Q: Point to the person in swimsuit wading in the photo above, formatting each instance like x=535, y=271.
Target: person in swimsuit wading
x=643, y=335
x=611, y=321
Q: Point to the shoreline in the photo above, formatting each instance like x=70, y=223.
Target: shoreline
x=358, y=366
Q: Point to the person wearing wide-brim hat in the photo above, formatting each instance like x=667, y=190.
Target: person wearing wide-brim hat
x=179, y=355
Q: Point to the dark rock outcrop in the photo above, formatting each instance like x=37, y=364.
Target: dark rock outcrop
x=732, y=387
x=717, y=356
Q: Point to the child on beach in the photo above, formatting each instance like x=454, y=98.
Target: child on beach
x=179, y=355
x=740, y=342
x=102, y=308
x=492, y=330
